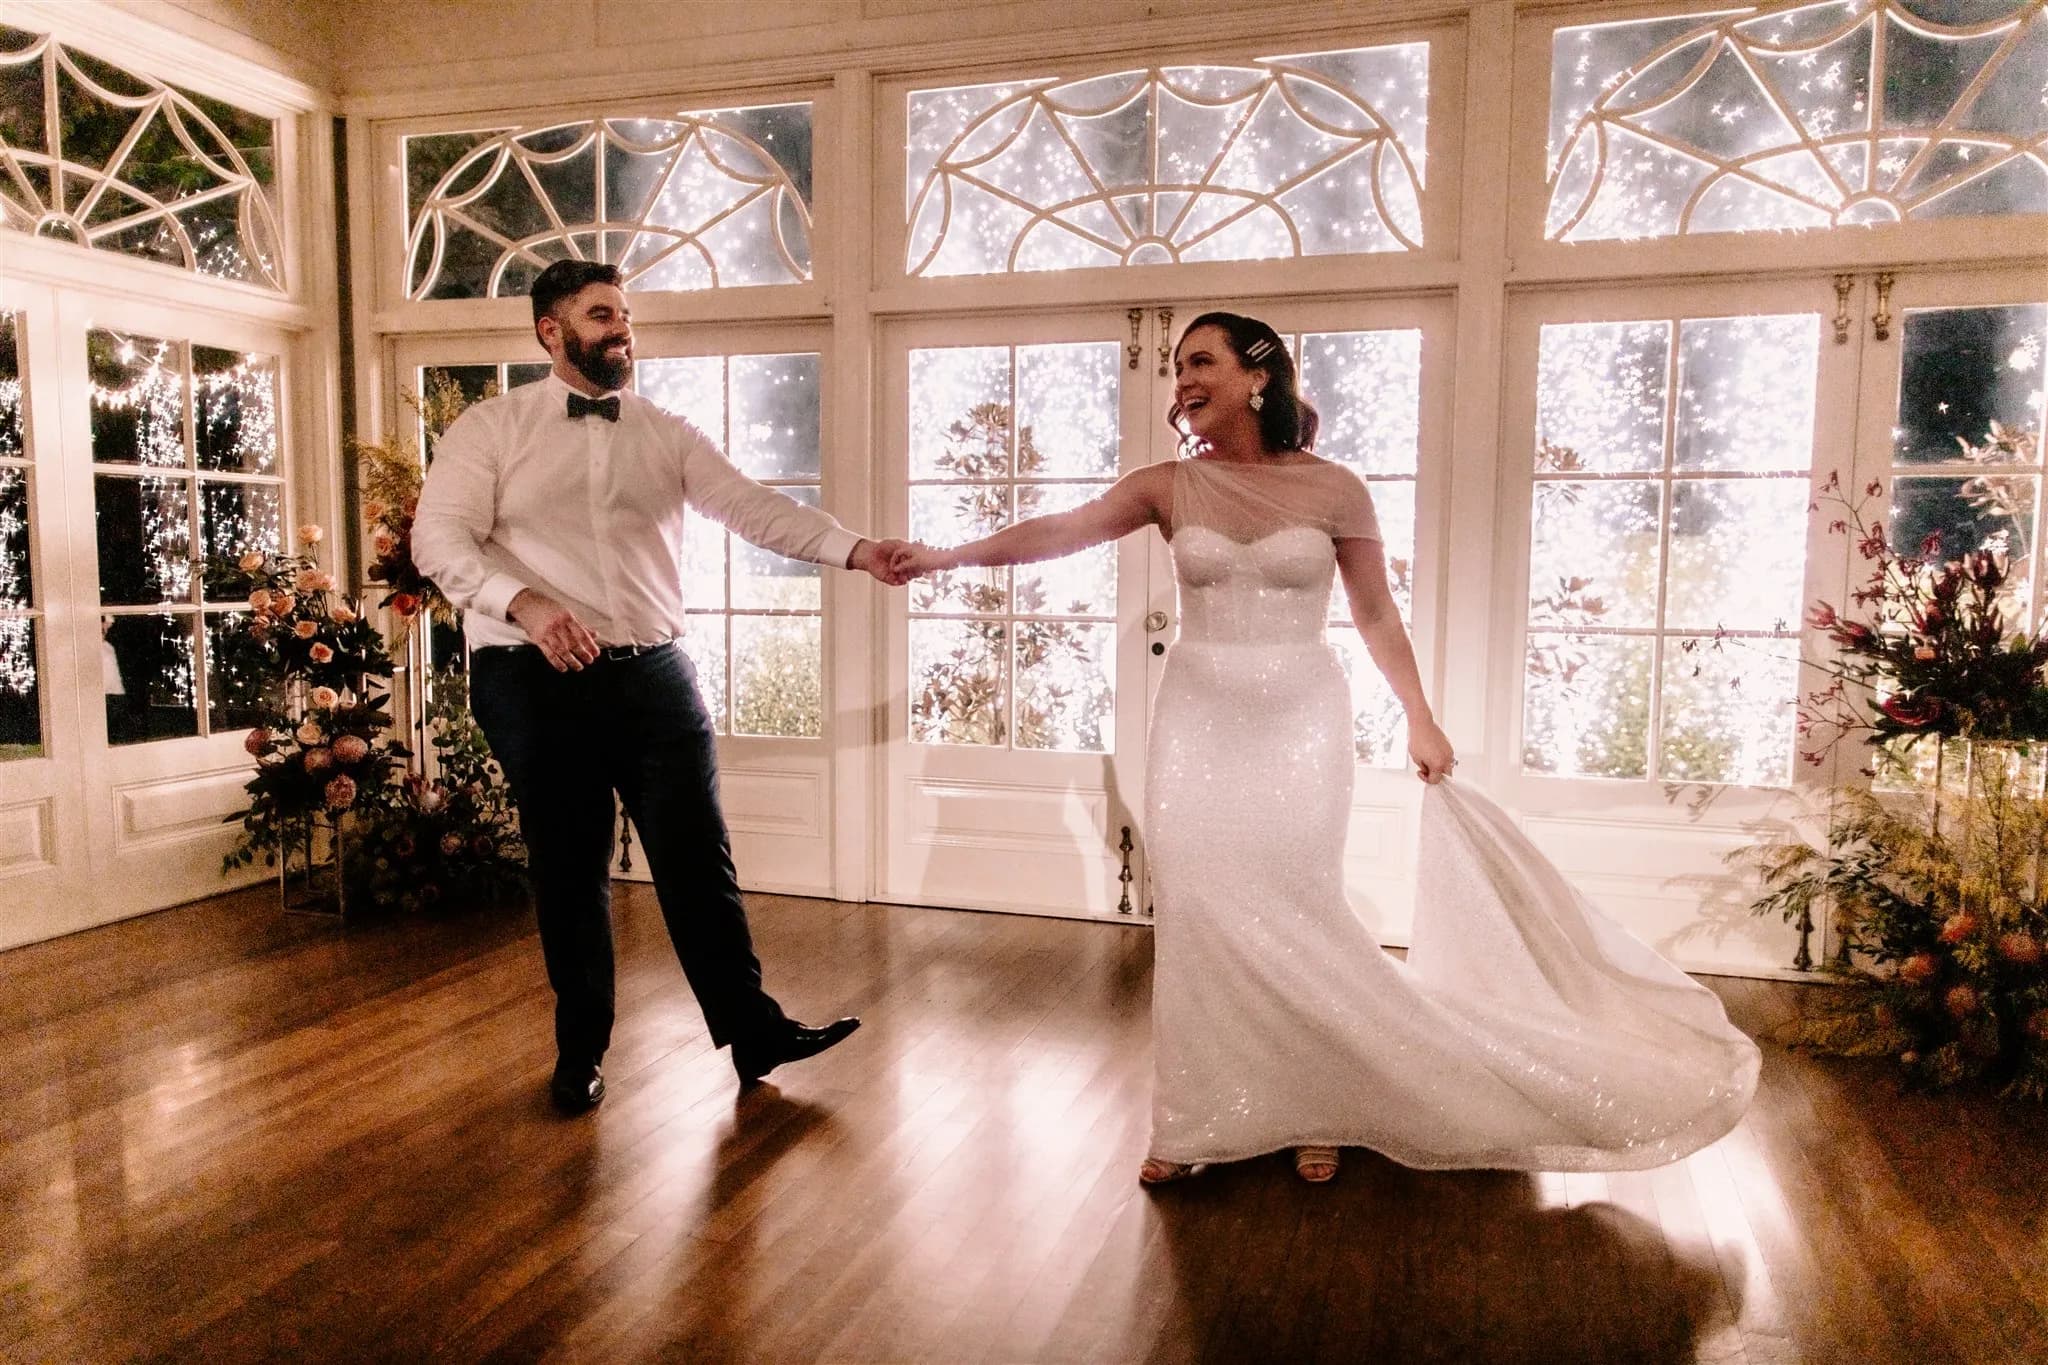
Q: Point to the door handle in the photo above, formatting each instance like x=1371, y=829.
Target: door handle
x=1156, y=621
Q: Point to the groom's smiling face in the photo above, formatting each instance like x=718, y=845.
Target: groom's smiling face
x=595, y=332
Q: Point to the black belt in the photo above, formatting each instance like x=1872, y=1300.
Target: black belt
x=620, y=653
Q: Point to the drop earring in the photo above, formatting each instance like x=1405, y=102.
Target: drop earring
x=1257, y=400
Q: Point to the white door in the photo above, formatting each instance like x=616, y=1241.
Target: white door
x=1675, y=448
x=1015, y=758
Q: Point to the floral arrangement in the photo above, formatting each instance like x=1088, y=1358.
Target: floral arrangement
x=454, y=833
x=339, y=759
x=391, y=476
x=1934, y=653
x=300, y=627
x=1936, y=886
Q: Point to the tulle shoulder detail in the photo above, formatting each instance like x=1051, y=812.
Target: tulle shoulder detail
x=1248, y=502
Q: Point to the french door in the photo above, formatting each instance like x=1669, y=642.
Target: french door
x=1019, y=698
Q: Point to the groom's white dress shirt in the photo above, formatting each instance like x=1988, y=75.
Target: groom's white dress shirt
x=590, y=513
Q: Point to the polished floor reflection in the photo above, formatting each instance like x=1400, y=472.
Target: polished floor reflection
x=233, y=1135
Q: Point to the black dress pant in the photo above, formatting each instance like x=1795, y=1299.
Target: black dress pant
x=567, y=742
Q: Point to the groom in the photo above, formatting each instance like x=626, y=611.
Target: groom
x=553, y=516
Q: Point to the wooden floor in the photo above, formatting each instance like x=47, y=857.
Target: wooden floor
x=235, y=1135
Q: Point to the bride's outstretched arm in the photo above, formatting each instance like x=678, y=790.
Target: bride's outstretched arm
x=1134, y=501
x=1378, y=618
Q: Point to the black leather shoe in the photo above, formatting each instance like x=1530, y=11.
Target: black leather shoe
x=577, y=1087
x=755, y=1060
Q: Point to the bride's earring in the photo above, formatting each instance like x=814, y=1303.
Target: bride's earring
x=1257, y=400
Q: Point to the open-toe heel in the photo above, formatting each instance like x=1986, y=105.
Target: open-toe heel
x=1316, y=1165
x=1159, y=1172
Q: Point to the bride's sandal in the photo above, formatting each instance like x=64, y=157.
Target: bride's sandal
x=1316, y=1165
x=1159, y=1172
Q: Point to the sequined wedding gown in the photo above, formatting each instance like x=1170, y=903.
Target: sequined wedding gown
x=1524, y=1031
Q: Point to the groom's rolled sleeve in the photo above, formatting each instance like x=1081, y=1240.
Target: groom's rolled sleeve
x=457, y=509
x=757, y=514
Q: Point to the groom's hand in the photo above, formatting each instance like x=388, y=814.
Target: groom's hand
x=565, y=641
x=880, y=558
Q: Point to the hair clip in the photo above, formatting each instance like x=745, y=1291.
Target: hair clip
x=1259, y=349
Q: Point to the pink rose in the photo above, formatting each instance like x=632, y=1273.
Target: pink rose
x=341, y=792
x=320, y=654
x=306, y=630
x=325, y=698
x=309, y=534
x=281, y=603
x=351, y=749
x=383, y=541
x=341, y=613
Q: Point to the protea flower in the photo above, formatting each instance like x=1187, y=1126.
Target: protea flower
x=351, y=749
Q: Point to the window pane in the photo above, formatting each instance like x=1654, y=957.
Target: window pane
x=1586, y=707
x=1729, y=711
x=145, y=539
x=17, y=583
x=1081, y=584
x=234, y=399
x=1593, y=555
x=960, y=413
x=1367, y=386
x=1746, y=391
x=138, y=400
x=691, y=387
x=235, y=674
x=1668, y=126
x=1738, y=554
x=21, y=693
x=13, y=435
x=1379, y=729
x=698, y=200
x=704, y=642
x=1600, y=392
x=778, y=676
x=1317, y=154
x=949, y=514
x=763, y=579
x=775, y=416
x=146, y=664
x=235, y=518
x=1066, y=686
x=1067, y=401
x=1993, y=511
x=1966, y=376
x=957, y=693
x=149, y=170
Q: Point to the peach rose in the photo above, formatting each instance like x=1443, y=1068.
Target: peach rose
x=373, y=511
x=306, y=630
x=310, y=534
x=308, y=580
x=341, y=792
x=281, y=603
x=259, y=600
x=383, y=541
x=309, y=733
x=351, y=749
x=252, y=561
x=432, y=799
x=325, y=698
x=1923, y=653
x=320, y=654
x=341, y=613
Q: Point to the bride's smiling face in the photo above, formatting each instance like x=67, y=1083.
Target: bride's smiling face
x=1212, y=386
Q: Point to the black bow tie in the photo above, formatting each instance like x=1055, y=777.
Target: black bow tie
x=607, y=408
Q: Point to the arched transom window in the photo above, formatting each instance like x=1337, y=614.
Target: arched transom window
x=1312, y=155
x=1799, y=116
x=696, y=201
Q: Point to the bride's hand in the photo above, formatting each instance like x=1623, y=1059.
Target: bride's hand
x=1429, y=749
x=917, y=560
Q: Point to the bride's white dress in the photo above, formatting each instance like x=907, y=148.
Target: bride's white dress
x=1524, y=1031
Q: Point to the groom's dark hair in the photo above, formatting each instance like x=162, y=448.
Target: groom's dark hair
x=1287, y=421
x=564, y=279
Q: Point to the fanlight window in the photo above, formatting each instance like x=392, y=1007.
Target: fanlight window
x=697, y=201
x=1313, y=155
x=1798, y=116
x=108, y=159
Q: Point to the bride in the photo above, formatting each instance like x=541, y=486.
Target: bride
x=1524, y=1030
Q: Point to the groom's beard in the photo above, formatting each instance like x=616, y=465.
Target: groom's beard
x=594, y=364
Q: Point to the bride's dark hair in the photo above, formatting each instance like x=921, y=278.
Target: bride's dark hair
x=1287, y=421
